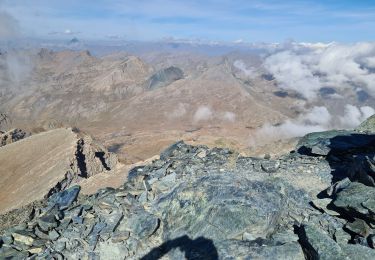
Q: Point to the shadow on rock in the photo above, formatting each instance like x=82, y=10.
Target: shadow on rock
x=349, y=154
x=200, y=248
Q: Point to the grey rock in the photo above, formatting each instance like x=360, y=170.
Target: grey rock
x=143, y=224
x=286, y=236
x=318, y=143
x=77, y=220
x=7, y=239
x=359, y=227
x=318, y=245
x=165, y=183
x=334, y=142
x=112, y=221
x=60, y=246
x=47, y=222
x=232, y=249
x=23, y=237
x=342, y=237
x=270, y=166
x=53, y=235
x=120, y=236
x=357, y=252
x=225, y=206
x=143, y=197
x=357, y=199
x=338, y=186
x=111, y=251
x=65, y=198
x=7, y=252
x=40, y=233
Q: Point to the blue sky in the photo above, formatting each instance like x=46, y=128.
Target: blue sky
x=219, y=20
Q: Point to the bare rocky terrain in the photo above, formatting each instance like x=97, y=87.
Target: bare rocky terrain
x=193, y=202
x=42, y=164
x=169, y=155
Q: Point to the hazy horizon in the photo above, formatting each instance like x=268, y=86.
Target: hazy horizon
x=207, y=21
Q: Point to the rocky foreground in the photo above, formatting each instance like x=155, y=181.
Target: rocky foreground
x=318, y=202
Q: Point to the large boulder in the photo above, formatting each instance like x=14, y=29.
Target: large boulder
x=227, y=206
x=318, y=245
x=357, y=200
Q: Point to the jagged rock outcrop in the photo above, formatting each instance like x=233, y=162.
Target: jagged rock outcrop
x=201, y=203
x=46, y=163
x=12, y=136
x=368, y=125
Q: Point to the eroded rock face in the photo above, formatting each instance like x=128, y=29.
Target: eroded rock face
x=46, y=163
x=200, y=203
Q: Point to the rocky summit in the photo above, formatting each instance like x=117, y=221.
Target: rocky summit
x=317, y=202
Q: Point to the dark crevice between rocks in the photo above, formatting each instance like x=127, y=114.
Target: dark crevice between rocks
x=100, y=155
x=315, y=207
x=308, y=250
x=200, y=248
x=81, y=159
x=157, y=227
x=356, y=238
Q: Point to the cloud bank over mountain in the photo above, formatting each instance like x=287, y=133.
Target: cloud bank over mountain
x=307, y=69
x=316, y=120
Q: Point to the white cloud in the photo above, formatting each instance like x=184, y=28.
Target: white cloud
x=353, y=115
x=203, y=113
x=9, y=27
x=306, y=69
x=229, y=116
x=178, y=112
x=317, y=116
x=239, y=64
x=316, y=120
x=206, y=113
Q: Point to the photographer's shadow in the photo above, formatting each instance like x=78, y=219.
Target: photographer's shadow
x=200, y=248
